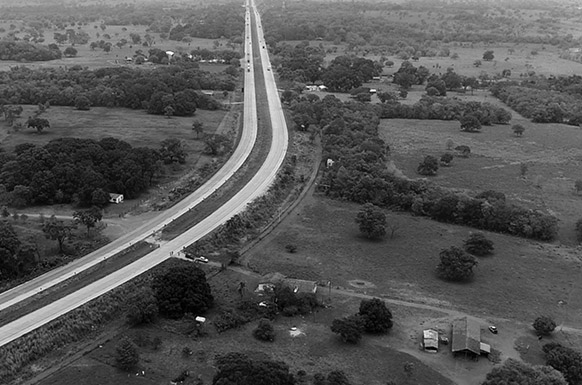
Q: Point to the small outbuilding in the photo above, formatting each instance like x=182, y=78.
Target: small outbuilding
x=115, y=198
x=430, y=340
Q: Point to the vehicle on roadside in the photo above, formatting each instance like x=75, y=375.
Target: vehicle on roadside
x=493, y=329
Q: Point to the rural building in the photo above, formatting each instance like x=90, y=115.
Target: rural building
x=115, y=198
x=467, y=338
x=430, y=340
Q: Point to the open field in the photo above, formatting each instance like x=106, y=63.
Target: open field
x=550, y=151
x=133, y=126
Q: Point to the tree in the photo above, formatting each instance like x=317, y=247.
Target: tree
x=429, y=166
x=57, y=230
x=172, y=151
x=477, y=63
x=446, y=159
x=470, y=123
x=217, y=144
x=463, y=151
x=38, y=123
x=578, y=228
x=182, y=289
x=99, y=198
x=568, y=361
x=88, y=218
x=488, y=55
x=142, y=308
x=515, y=372
x=264, y=331
x=198, y=128
x=376, y=316
x=455, y=264
x=82, y=103
x=518, y=129
x=349, y=328
x=126, y=354
x=478, y=245
x=238, y=369
x=544, y=325
x=372, y=221
x=169, y=111
x=70, y=52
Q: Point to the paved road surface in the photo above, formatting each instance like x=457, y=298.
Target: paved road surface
x=255, y=188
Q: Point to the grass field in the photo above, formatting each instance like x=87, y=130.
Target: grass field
x=133, y=126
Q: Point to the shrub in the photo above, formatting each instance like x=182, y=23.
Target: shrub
x=143, y=307
x=544, y=325
x=186, y=352
x=349, y=328
x=518, y=129
x=264, y=331
x=232, y=366
x=229, y=319
x=446, y=159
x=376, y=316
x=455, y=264
x=126, y=354
x=429, y=166
x=478, y=245
x=291, y=248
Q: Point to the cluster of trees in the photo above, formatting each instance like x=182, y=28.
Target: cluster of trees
x=520, y=373
x=373, y=317
x=134, y=88
x=72, y=170
x=439, y=108
x=345, y=73
x=566, y=360
x=541, y=105
x=23, y=51
x=17, y=257
x=350, y=138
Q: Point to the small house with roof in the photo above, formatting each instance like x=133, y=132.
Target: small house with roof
x=115, y=198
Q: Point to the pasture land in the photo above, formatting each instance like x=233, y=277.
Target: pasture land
x=97, y=58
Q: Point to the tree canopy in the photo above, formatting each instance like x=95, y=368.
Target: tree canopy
x=376, y=316
x=544, y=325
x=238, y=369
x=478, y=245
x=455, y=264
x=372, y=221
x=349, y=328
x=515, y=372
x=182, y=289
x=567, y=360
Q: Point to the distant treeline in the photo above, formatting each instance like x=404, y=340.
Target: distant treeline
x=115, y=87
x=23, y=51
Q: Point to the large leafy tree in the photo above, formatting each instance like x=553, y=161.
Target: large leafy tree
x=182, y=289
x=567, y=360
x=515, y=372
x=143, y=307
x=126, y=354
x=376, y=316
x=57, y=230
x=455, y=264
x=544, y=325
x=88, y=218
x=372, y=221
x=349, y=328
x=238, y=369
x=478, y=244
x=429, y=166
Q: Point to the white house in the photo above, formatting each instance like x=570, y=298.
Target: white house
x=115, y=198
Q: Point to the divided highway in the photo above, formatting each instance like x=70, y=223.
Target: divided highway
x=255, y=188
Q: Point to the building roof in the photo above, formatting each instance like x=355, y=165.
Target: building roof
x=430, y=339
x=115, y=196
x=466, y=336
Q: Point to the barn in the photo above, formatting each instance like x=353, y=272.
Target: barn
x=467, y=338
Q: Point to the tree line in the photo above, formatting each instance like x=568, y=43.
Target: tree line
x=350, y=138
x=115, y=87
x=23, y=51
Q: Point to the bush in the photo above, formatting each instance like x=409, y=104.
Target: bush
x=455, y=264
x=143, y=307
x=229, y=319
x=349, y=328
x=264, y=331
x=291, y=248
x=429, y=166
x=237, y=368
x=372, y=221
x=127, y=356
x=544, y=325
x=376, y=316
x=579, y=230
x=478, y=245
x=446, y=159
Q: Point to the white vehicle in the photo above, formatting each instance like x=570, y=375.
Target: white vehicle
x=201, y=259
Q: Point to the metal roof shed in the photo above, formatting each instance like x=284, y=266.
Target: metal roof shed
x=466, y=336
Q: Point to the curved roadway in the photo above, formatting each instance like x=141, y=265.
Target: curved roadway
x=255, y=188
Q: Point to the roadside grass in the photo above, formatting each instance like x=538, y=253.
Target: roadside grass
x=521, y=280
x=550, y=151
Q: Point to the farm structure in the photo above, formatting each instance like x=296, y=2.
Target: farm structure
x=467, y=338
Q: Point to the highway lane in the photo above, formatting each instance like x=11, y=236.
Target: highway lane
x=254, y=189
x=241, y=153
